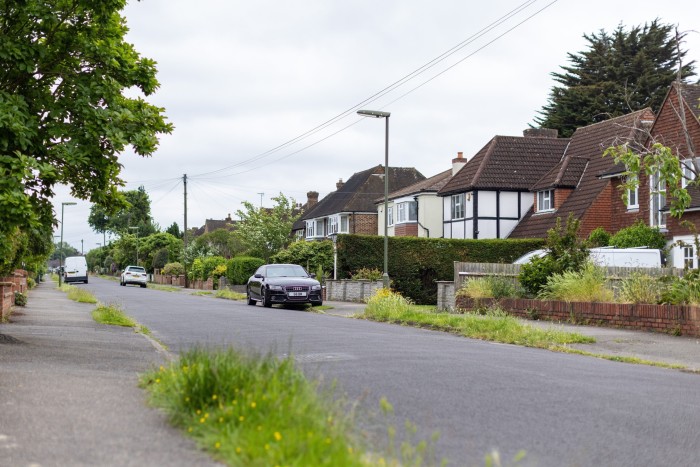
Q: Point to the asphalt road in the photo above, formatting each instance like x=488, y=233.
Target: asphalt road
x=562, y=410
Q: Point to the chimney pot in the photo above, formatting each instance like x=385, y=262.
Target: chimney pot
x=339, y=185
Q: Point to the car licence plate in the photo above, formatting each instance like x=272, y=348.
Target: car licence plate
x=297, y=294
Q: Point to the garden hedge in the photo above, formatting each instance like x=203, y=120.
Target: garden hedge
x=415, y=264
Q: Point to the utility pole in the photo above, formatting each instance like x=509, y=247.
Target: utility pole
x=81, y=247
x=261, y=197
x=184, y=233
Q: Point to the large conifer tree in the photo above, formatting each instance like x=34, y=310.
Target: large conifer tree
x=619, y=73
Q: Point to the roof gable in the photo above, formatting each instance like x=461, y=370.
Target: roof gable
x=508, y=163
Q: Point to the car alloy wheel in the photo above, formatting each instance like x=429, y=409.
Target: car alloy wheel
x=265, y=298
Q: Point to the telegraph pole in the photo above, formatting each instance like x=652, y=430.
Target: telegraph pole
x=184, y=233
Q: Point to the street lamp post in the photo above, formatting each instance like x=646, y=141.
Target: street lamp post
x=60, y=256
x=137, y=243
x=385, y=116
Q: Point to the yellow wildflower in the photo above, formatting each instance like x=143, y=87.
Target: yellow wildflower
x=217, y=445
x=252, y=405
x=278, y=436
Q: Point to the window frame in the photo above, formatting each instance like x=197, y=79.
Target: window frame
x=458, y=206
x=545, y=197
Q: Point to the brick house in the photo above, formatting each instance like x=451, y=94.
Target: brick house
x=351, y=209
x=490, y=194
x=585, y=184
x=679, y=112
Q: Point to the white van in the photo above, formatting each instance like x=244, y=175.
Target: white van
x=75, y=269
x=608, y=256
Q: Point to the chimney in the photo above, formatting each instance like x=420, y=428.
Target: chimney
x=540, y=133
x=339, y=185
x=458, y=163
x=311, y=198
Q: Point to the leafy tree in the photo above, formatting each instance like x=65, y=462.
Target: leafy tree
x=136, y=213
x=222, y=242
x=151, y=245
x=174, y=230
x=64, y=117
x=598, y=237
x=565, y=252
x=619, y=73
x=267, y=231
x=638, y=235
x=311, y=255
x=63, y=250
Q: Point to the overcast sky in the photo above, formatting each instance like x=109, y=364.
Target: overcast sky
x=239, y=79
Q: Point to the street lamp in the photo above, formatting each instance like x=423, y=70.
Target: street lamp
x=137, y=243
x=385, y=116
x=60, y=256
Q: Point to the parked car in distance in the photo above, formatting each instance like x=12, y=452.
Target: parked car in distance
x=75, y=269
x=608, y=256
x=285, y=284
x=134, y=275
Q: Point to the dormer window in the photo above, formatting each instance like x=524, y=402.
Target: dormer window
x=545, y=200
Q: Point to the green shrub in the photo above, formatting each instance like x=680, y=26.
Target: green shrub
x=31, y=283
x=682, y=290
x=310, y=255
x=599, y=237
x=479, y=287
x=160, y=258
x=641, y=288
x=565, y=252
x=638, y=235
x=416, y=264
x=174, y=269
x=367, y=274
x=209, y=264
x=240, y=268
x=585, y=285
x=20, y=299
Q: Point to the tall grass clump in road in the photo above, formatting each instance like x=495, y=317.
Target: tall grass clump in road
x=229, y=295
x=494, y=325
x=77, y=294
x=253, y=411
x=112, y=315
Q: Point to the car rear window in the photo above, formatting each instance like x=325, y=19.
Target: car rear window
x=137, y=269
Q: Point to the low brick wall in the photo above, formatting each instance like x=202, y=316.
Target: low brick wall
x=351, y=291
x=7, y=299
x=673, y=319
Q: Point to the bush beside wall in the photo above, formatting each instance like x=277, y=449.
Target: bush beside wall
x=416, y=264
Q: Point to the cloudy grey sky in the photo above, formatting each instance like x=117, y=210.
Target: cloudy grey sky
x=239, y=79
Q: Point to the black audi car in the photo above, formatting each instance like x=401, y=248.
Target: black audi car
x=285, y=284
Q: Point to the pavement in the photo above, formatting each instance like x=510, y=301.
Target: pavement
x=69, y=394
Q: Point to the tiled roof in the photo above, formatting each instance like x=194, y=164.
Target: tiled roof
x=587, y=143
x=360, y=191
x=691, y=95
x=565, y=174
x=507, y=163
x=429, y=185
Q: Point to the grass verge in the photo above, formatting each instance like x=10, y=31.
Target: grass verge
x=390, y=307
x=229, y=295
x=250, y=410
x=112, y=315
x=164, y=288
x=77, y=294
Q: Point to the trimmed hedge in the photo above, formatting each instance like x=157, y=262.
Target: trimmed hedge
x=415, y=264
x=240, y=268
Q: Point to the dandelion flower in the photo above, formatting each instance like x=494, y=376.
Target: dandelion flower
x=241, y=418
x=252, y=405
x=238, y=450
x=217, y=445
x=214, y=397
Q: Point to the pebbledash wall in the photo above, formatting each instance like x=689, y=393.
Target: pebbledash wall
x=351, y=291
x=673, y=319
x=17, y=282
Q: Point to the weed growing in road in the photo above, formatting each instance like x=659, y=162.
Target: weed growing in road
x=202, y=293
x=495, y=325
x=252, y=410
x=77, y=294
x=229, y=295
x=111, y=314
x=164, y=288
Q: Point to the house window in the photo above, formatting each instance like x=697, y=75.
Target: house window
x=688, y=256
x=299, y=234
x=658, y=201
x=688, y=168
x=320, y=231
x=344, y=224
x=390, y=216
x=458, y=208
x=545, y=200
x=310, y=231
x=633, y=197
x=407, y=212
x=332, y=225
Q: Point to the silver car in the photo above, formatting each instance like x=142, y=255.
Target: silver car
x=134, y=275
